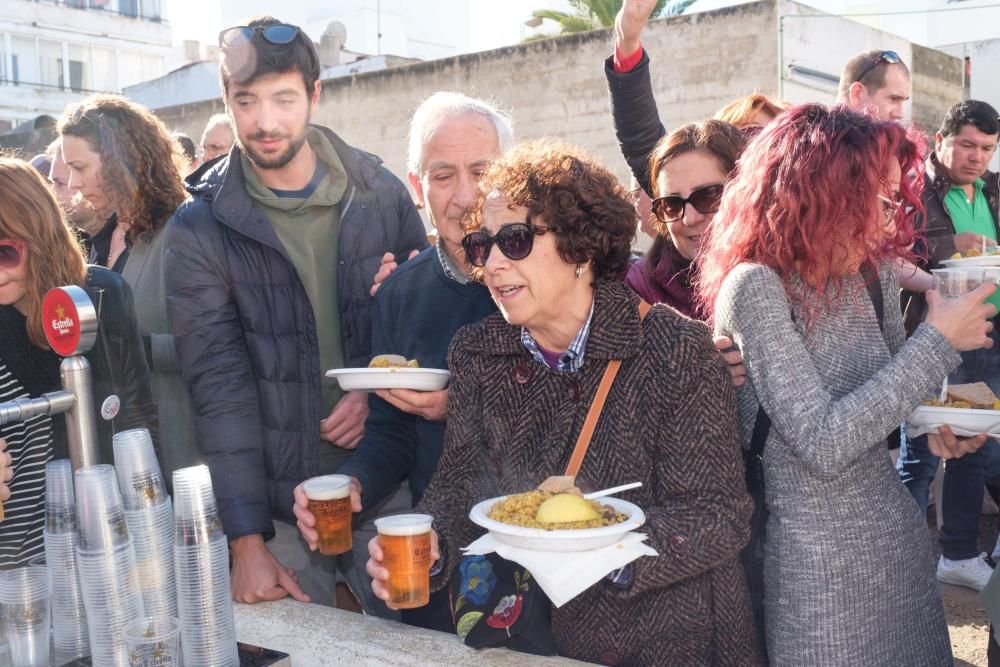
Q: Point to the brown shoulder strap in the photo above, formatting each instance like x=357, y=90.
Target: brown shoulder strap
x=590, y=423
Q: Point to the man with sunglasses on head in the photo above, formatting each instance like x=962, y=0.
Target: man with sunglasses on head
x=962, y=208
x=418, y=309
x=876, y=83
x=268, y=270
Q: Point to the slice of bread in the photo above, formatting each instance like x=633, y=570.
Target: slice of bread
x=976, y=394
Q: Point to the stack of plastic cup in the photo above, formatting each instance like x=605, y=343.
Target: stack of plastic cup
x=150, y=518
x=24, y=608
x=201, y=563
x=69, y=617
x=107, y=564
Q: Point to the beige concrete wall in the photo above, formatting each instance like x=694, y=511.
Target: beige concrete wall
x=553, y=86
x=937, y=85
x=557, y=87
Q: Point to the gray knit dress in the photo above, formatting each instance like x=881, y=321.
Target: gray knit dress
x=849, y=571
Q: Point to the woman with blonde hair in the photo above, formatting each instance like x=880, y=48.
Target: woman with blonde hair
x=752, y=112
x=125, y=162
x=38, y=252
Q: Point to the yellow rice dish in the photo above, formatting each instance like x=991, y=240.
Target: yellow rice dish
x=522, y=510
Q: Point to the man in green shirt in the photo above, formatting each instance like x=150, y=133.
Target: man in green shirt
x=961, y=198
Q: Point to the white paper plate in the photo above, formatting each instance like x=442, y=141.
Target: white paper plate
x=967, y=420
x=370, y=379
x=539, y=539
x=972, y=262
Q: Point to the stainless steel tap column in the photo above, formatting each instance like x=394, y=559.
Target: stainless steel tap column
x=70, y=323
x=81, y=422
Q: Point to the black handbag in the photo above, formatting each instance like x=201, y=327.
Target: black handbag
x=752, y=555
x=496, y=602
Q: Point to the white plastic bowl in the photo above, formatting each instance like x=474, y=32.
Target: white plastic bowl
x=968, y=420
x=370, y=379
x=538, y=539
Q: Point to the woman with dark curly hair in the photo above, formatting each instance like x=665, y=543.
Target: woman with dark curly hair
x=550, y=234
x=125, y=162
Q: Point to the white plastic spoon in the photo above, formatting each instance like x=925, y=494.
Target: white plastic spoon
x=612, y=491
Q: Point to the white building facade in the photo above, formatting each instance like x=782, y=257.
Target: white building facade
x=54, y=52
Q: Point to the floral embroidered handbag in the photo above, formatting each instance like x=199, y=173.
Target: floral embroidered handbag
x=496, y=602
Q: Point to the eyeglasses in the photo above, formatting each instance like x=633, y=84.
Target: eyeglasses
x=515, y=241
x=887, y=57
x=278, y=33
x=705, y=200
x=890, y=207
x=11, y=254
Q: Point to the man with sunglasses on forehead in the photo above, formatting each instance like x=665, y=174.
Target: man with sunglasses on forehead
x=876, y=83
x=961, y=199
x=267, y=277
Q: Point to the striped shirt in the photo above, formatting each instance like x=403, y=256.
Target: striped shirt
x=30, y=446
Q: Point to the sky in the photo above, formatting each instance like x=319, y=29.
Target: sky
x=493, y=24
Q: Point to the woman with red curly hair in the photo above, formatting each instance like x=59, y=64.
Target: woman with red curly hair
x=812, y=218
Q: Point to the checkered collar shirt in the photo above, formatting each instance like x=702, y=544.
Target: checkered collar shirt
x=451, y=269
x=572, y=359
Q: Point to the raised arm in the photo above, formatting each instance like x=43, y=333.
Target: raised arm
x=633, y=107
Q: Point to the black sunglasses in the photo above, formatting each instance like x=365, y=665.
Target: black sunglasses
x=514, y=240
x=887, y=57
x=278, y=33
x=705, y=200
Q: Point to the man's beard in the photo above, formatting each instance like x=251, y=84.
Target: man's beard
x=265, y=162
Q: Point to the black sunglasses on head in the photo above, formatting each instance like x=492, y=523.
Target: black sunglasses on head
x=705, y=200
x=278, y=33
x=515, y=241
x=887, y=57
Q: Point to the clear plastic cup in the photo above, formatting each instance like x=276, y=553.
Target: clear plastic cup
x=111, y=592
x=204, y=603
x=154, y=641
x=953, y=283
x=24, y=608
x=138, y=470
x=330, y=502
x=60, y=500
x=406, y=552
x=100, y=513
x=193, y=495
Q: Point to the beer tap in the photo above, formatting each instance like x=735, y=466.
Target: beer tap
x=70, y=323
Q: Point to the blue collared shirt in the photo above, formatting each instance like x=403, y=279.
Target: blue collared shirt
x=572, y=359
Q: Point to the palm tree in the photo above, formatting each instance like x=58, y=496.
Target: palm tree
x=589, y=15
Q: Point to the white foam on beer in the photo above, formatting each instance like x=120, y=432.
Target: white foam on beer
x=404, y=525
x=328, y=487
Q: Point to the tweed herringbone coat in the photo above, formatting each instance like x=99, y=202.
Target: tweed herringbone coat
x=669, y=422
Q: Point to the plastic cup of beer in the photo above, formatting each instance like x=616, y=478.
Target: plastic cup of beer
x=406, y=553
x=330, y=502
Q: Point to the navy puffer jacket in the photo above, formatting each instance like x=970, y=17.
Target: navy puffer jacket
x=245, y=332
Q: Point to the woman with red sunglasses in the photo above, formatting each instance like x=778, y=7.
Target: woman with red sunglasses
x=38, y=252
